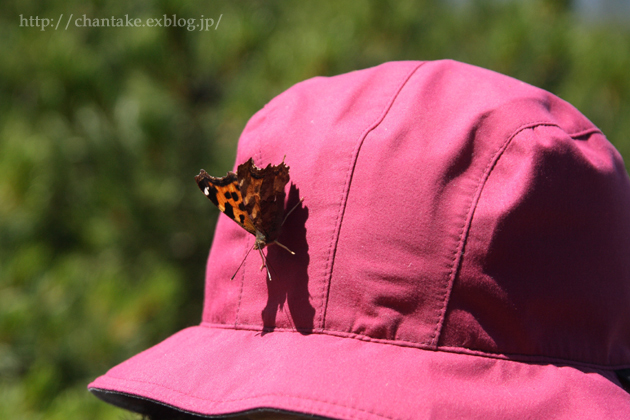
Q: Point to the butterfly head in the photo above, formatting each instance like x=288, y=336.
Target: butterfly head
x=261, y=240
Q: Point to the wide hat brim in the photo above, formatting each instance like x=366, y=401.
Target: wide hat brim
x=214, y=371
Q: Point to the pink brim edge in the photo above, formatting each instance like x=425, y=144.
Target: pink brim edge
x=218, y=371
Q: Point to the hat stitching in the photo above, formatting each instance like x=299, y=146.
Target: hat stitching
x=463, y=236
x=344, y=197
x=455, y=269
x=240, y=293
x=528, y=358
x=511, y=357
x=593, y=130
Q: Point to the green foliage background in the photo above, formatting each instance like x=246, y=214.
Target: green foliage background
x=103, y=232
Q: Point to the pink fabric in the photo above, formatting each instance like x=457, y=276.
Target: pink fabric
x=219, y=370
x=461, y=252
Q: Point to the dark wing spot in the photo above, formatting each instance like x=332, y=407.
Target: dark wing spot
x=229, y=211
x=242, y=218
x=227, y=195
x=234, y=196
x=212, y=194
x=241, y=206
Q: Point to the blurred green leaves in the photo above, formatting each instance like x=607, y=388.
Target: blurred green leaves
x=104, y=234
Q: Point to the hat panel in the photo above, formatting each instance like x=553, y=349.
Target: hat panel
x=413, y=189
x=546, y=270
x=318, y=125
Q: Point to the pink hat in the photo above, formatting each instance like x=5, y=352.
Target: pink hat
x=462, y=251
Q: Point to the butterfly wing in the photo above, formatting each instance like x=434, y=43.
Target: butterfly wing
x=225, y=193
x=263, y=191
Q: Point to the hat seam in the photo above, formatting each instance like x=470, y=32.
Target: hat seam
x=511, y=357
x=332, y=250
x=527, y=358
x=463, y=235
x=242, y=277
x=224, y=400
x=587, y=131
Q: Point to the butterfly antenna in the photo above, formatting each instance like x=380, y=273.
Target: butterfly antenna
x=264, y=263
x=242, y=262
x=284, y=220
x=291, y=211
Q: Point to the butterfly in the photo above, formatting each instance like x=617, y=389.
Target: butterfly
x=253, y=198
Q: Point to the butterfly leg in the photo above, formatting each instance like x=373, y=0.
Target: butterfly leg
x=264, y=263
x=282, y=246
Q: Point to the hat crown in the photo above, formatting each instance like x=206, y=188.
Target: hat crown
x=446, y=207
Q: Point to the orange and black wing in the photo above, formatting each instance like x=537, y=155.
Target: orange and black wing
x=226, y=195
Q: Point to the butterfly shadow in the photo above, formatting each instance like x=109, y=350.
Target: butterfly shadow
x=288, y=291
